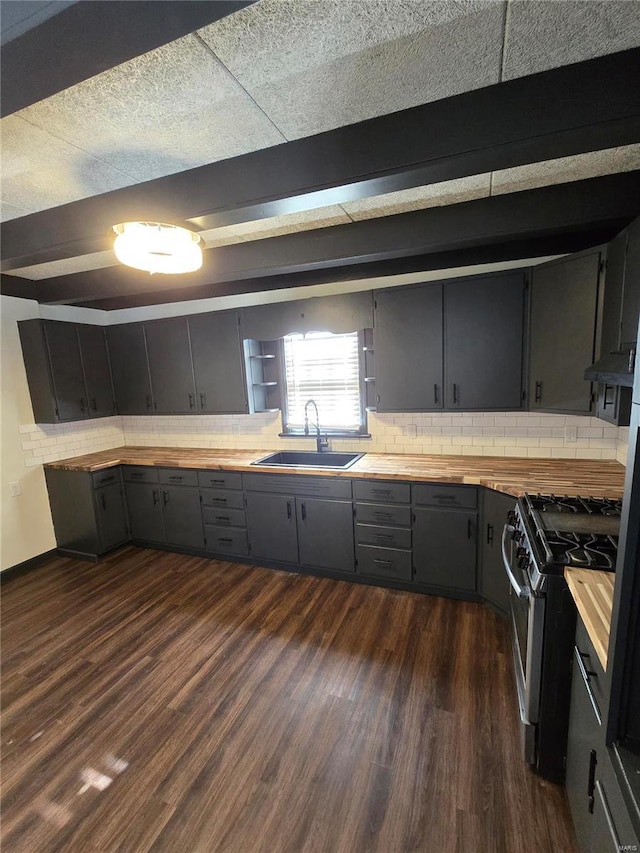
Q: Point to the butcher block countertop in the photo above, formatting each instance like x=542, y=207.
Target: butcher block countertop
x=511, y=476
x=593, y=594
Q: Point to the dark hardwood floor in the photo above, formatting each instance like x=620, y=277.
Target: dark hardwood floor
x=161, y=702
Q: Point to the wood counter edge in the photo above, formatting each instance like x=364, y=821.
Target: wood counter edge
x=592, y=592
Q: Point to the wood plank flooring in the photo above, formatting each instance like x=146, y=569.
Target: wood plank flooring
x=161, y=702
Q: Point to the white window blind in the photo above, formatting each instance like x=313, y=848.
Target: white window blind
x=325, y=368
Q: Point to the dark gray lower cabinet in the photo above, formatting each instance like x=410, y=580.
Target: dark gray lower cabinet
x=182, y=516
x=612, y=830
x=325, y=534
x=271, y=527
x=111, y=514
x=494, y=584
x=145, y=511
x=444, y=548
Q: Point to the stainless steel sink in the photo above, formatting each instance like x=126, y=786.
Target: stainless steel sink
x=309, y=459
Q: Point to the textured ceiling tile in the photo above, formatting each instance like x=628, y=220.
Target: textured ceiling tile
x=39, y=171
x=291, y=223
x=543, y=35
x=314, y=66
x=565, y=169
x=67, y=266
x=11, y=211
x=171, y=109
x=418, y=198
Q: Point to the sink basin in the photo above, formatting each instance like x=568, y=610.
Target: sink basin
x=309, y=459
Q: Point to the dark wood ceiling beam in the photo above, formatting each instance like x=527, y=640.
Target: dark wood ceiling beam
x=547, y=212
x=493, y=253
x=88, y=38
x=569, y=110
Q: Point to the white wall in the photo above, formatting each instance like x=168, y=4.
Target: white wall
x=26, y=524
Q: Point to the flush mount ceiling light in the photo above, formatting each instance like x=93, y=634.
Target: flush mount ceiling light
x=156, y=247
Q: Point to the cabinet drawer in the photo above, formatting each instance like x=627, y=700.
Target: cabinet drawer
x=376, y=490
x=223, y=517
x=592, y=667
x=178, y=477
x=220, y=479
x=445, y=496
x=221, y=498
x=382, y=514
x=139, y=474
x=293, y=484
x=105, y=478
x=226, y=540
x=383, y=562
x=383, y=537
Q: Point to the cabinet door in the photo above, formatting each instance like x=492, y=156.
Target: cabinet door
x=563, y=317
x=408, y=349
x=612, y=828
x=95, y=361
x=484, y=321
x=631, y=295
x=112, y=516
x=271, y=526
x=325, y=534
x=144, y=505
x=613, y=292
x=182, y=516
x=495, y=584
x=170, y=366
x=130, y=369
x=66, y=370
x=444, y=548
x=583, y=738
x=218, y=363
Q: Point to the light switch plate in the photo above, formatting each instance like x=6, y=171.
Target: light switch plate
x=570, y=433
x=15, y=489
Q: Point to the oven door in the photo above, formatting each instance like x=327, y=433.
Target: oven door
x=527, y=619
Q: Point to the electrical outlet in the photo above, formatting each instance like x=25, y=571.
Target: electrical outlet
x=410, y=431
x=570, y=433
x=15, y=489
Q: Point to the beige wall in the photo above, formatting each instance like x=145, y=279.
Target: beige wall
x=26, y=527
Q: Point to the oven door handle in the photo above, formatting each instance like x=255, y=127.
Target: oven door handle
x=520, y=591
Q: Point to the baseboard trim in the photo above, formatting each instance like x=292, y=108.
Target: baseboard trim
x=27, y=566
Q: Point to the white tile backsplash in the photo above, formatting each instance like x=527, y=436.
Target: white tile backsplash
x=491, y=434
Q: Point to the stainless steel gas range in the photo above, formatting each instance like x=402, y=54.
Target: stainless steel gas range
x=544, y=534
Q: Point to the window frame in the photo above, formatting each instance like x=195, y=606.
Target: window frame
x=361, y=431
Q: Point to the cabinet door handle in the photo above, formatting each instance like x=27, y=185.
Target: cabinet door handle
x=156, y=497
x=94, y=404
x=435, y=395
x=203, y=401
x=469, y=526
x=303, y=511
x=103, y=500
x=288, y=509
x=489, y=534
x=455, y=394
x=148, y=402
x=192, y=401
x=165, y=497
x=538, y=395
x=591, y=784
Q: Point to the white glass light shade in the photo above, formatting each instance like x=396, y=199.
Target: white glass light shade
x=156, y=247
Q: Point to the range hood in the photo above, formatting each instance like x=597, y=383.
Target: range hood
x=614, y=368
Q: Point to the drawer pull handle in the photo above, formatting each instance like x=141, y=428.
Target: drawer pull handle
x=383, y=562
x=381, y=491
x=135, y=474
x=107, y=479
x=446, y=498
x=219, y=500
x=218, y=482
x=176, y=477
x=380, y=514
x=586, y=657
x=384, y=537
x=225, y=539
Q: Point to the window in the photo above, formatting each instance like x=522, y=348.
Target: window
x=326, y=368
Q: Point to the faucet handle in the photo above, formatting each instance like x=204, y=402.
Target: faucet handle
x=323, y=443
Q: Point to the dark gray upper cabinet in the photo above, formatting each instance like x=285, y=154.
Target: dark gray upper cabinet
x=218, y=363
x=564, y=296
x=494, y=584
x=271, y=527
x=95, y=361
x=484, y=324
x=66, y=368
x=408, y=349
x=325, y=534
x=444, y=548
x=631, y=293
x=130, y=369
x=170, y=366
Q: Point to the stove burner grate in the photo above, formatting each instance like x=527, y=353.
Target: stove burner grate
x=581, y=550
